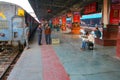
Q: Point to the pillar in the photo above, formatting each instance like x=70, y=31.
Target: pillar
x=63, y=27
x=76, y=23
x=118, y=36
x=105, y=13
x=118, y=44
x=110, y=30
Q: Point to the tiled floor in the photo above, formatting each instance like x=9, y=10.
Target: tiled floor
x=97, y=64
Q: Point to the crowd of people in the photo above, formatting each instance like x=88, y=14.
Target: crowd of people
x=88, y=38
x=47, y=32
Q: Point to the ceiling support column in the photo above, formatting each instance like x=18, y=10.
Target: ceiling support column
x=105, y=12
x=109, y=30
x=76, y=23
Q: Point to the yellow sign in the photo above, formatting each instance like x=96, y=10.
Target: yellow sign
x=2, y=15
x=20, y=12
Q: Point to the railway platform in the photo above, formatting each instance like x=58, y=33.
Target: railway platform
x=65, y=61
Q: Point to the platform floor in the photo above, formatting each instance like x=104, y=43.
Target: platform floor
x=66, y=61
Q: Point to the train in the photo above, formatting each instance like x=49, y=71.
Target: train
x=12, y=23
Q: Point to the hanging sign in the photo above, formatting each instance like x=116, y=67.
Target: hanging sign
x=91, y=8
x=115, y=1
x=114, y=14
x=76, y=17
x=63, y=19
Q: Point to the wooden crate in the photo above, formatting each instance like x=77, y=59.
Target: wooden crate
x=55, y=41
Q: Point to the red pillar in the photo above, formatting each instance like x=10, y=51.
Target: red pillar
x=63, y=23
x=118, y=44
x=110, y=21
x=76, y=23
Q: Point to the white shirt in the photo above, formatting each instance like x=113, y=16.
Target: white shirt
x=26, y=33
x=91, y=38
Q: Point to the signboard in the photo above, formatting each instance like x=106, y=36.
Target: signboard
x=91, y=8
x=20, y=12
x=76, y=17
x=115, y=1
x=114, y=14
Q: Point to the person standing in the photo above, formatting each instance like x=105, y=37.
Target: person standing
x=39, y=29
x=27, y=33
x=47, y=34
x=97, y=32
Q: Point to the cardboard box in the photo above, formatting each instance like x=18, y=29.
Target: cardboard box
x=55, y=41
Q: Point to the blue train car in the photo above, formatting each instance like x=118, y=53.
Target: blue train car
x=7, y=11
x=12, y=25
x=18, y=29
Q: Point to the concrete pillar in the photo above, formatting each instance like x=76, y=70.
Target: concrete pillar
x=105, y=12
x=110, y=31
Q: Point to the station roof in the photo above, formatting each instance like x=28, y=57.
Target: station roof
x=52, y=8
x=47, y=9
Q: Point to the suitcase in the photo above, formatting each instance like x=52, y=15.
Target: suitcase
x=90, y=45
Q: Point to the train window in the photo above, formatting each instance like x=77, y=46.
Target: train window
x=15, y=34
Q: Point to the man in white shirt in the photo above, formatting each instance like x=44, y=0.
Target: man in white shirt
x=26, y=34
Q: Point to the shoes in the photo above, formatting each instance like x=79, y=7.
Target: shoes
x=82, y=49
x=39, y=44
x=48, y=43
x=28, y=47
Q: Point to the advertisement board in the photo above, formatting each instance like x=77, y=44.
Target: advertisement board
x=114, y=14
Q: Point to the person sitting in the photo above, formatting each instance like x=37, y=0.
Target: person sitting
x=84, y=41
x=91, y=41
